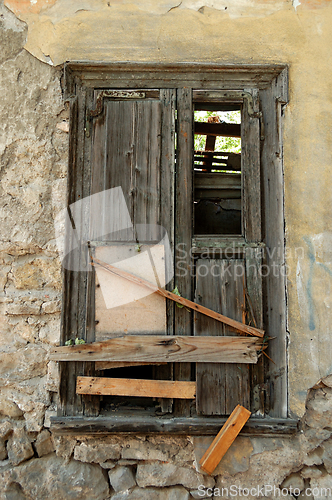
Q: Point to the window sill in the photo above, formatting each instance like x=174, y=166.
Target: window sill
x=146, y=424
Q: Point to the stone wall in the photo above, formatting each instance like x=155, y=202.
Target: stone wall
x=33, y=463
x=36, y=465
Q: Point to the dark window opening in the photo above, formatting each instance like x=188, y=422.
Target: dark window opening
x=217, y=169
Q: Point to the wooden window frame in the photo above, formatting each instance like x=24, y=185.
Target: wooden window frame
x=81, y=80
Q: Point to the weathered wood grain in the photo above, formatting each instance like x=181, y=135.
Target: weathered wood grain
x=219, y=283
x=250, y=158
x=109, y=365
x=158, y=348
x=135, y=387
x=148, y=424
x=273, y=210
x=183, y=226
x=167, y=214
x=224, y=439
x=237, y=325
x=172, y=75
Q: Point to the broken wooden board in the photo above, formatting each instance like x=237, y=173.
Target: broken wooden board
x=109, y=365
x=135, y=387
x=237, y=325
x=224, y=439
x=123, y=307
x=158, y=348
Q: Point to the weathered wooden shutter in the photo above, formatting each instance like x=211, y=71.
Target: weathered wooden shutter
x=133, y=148
x=226, y=284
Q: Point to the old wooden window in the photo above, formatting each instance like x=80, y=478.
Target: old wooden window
x=133, y=127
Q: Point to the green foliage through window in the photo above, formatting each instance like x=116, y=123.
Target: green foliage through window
x=230, y=144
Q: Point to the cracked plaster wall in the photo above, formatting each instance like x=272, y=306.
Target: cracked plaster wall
x=33, y=151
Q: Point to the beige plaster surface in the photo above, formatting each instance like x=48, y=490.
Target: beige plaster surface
x=296, y=33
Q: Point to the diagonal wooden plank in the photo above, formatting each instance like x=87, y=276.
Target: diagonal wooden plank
x=224, y=439
x=158, y=348
x=237, y=325
x=135, y=387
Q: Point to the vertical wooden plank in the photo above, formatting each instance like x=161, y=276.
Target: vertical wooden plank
x=252, y=225
x=275, y=282
x=146, y=166
x=219, y=286
x=66, y=369
x=90, y=403
x=210, y=377
x=254, y=299
x=237, y=376
x=119, y=157
x=183, y=228
x=167, y=183
x=74, y=309
x=250, y=166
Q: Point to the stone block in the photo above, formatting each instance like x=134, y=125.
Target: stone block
x=53, y=376
x=4, y=270
x=64, y=446
x=6, y=428
x=177, y=493
x=37, y=273
x=22, y=307
x=26, y=330
x=322, y=487
x=327, y=455
x=3, y=450
x=13, y=34
x=314, y=457
x=34, y=419
x=310, y=472
x=294, y=481
x=19, y=447
x=9, y=408
x=51, y=307
x=23, y=364
x=166, y=474
x=122, y=478
x=316, y=435
x=44, y=443
x=319, y=409
x=138, y=450
x=98, y=451
x=54, y=478
x=50, y=330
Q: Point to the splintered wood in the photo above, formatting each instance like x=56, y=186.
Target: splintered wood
x=161, y=348
x=224, y=439
x=135, y=387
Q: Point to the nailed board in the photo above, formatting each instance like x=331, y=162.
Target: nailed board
x=158, y=348
x=224, y=439
x=135, y=387
x=123, y=307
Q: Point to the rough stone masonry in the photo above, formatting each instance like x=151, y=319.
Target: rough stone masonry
x=34, y=464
